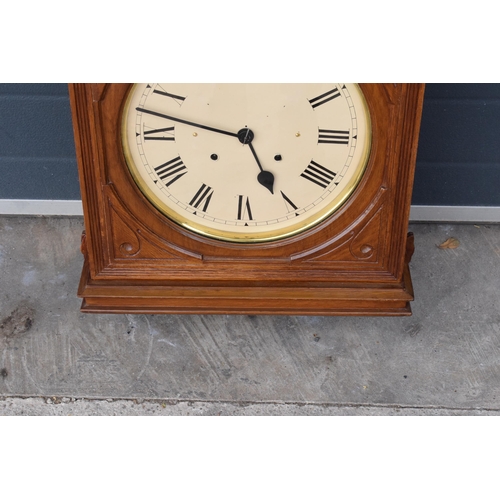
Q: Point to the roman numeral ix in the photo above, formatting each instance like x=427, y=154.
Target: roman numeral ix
x=159, y=134
x=333, y=136
x=171, y=171
x=318, y=174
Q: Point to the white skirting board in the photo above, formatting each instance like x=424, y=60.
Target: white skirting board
x=418, y=213
x=41, y=207
x=425, y=213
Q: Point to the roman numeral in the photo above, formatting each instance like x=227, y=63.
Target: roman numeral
x=204, y=194
x=333, y=136
x=244, y=210
x=168, y=94
x=171, y=171
x=165, y=134
x=323, y=98
x=318, y=174
x=290, y=205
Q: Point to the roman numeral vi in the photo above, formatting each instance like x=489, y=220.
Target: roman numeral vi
x=244, y=210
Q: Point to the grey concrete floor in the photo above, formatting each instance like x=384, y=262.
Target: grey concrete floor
x=54, y=360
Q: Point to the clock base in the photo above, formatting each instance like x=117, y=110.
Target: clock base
x=342, y=299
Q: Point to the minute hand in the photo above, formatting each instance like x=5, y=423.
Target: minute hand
x=180, y=120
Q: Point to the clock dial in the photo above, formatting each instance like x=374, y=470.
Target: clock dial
x=246, y=162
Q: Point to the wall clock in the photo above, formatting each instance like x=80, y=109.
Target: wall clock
x=246, y=198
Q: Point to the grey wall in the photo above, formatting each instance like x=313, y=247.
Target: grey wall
x=458, y=160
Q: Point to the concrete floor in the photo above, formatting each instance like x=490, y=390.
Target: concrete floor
x=54, y=360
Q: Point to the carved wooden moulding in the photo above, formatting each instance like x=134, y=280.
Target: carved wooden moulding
x=139, y=258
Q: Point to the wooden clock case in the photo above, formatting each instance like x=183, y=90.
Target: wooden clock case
x=353, y=263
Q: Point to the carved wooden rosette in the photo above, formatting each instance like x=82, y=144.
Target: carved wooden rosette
x=353, y=263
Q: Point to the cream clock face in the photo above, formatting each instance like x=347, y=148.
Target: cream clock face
x=246, y=162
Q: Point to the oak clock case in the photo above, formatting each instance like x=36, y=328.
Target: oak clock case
x=246, y=199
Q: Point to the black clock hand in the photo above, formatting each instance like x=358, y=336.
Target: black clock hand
x=255, y=156
x=265, y=177
x=245, y=136
x=180, y=120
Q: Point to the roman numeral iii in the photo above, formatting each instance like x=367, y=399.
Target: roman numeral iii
x=333, y=136
x=318, y=174
x=171, y=171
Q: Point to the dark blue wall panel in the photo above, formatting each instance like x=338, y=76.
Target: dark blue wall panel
x=458, y=160
x=37, y=150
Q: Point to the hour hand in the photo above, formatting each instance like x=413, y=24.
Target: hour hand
x=266, y=178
